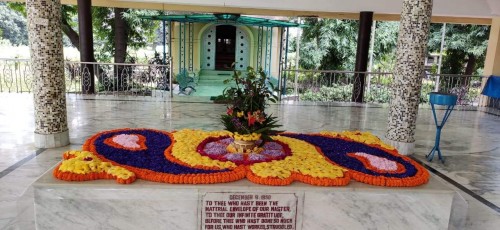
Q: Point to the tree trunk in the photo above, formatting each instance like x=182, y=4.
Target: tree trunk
x=73, y=36
x=86, y=46
x=469, y=69
x=120, y=36
x=471, y=64
x=120, y=49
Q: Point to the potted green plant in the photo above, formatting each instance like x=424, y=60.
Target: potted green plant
x=246, y=117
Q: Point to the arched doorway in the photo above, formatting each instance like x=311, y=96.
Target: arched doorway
x=223, y=45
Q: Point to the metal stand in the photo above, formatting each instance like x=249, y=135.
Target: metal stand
x=449, y=100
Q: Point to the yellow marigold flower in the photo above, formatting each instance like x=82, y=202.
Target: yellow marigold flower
x=358, y=136
x=185, y=148
x=84, y=162
x=305, y=159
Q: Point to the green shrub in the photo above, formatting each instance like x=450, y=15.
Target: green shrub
x=334, y=93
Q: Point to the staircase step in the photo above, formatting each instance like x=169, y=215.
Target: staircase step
x=219, y=72
x=212, y=83
x=216, y=72
x=213, y=78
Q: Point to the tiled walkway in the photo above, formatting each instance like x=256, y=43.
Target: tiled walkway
x=469, y=142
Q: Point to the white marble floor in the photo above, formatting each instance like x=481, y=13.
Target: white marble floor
x=469, y=142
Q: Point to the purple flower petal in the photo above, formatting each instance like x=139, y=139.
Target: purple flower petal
x=273, y=146
x=273, y=153
x=216, y=148
x=256, y=157
x=226, y=141
x=234, y=156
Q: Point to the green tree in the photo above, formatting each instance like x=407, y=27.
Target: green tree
x=117, y=29
x=331, y=44
x=328, y=44
x=384, y=47
x=109, y=42
x=465, y=47
x=68, y=22
x=114, y=29
x=13, y=25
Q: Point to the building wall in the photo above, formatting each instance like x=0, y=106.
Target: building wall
x=196, y=46
x=275, y=61
x=275, y=50
x=200, y=28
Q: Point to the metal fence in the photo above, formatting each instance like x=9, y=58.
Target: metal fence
x=338, y=86
x=15, y=76
x=117, y=78
x=466, y=87
x=99, y=78
x=305, y=85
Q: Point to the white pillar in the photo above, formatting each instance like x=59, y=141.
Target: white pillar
x=47, y=65
x=405, y=95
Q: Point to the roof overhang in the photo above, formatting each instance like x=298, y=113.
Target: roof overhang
x=223, y=18
x=451, y=11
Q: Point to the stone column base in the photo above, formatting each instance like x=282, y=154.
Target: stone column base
x=404, y=148
x=52, y=140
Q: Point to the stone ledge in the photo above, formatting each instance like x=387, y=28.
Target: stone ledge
x=104, y=204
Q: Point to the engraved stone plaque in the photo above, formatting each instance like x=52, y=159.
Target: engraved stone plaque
x=235, y=210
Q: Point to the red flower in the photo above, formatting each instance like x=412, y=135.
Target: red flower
x=229, y=111
x=259, y=116
x=251, y=119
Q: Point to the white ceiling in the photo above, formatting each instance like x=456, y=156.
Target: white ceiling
x=455, y=8
x=494, y=6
